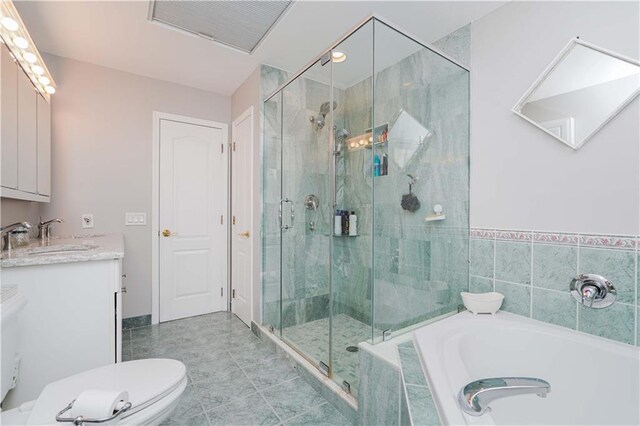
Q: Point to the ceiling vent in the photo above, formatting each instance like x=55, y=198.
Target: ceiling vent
x=238, y=24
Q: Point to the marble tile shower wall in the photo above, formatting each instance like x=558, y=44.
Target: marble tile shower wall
x=303, y=162
x=533, y=270
x=412, y=261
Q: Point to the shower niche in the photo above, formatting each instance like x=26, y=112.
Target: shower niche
x=375, y=97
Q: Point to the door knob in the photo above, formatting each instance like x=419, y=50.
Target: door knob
x=166, y=233
x=244, y=234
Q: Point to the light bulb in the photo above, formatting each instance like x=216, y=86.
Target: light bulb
x=9, y=23
x=44, y=81
x=22, y=43
x=338, y=56
x=30, y=57
x=37, y=69
x=50, y=90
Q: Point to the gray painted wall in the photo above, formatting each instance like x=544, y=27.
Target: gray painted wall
x=101, y=155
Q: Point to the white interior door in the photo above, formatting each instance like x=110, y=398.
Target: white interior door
x=192, y=206
x=241, y=206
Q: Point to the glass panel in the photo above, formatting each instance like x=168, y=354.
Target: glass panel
x=271, y=181
x=421, y=104
x=306, y=212
x=351, y=255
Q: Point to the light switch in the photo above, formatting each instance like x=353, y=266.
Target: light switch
x=135, y=219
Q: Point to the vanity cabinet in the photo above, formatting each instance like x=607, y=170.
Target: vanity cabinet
x=71, y=322
x=25, y=128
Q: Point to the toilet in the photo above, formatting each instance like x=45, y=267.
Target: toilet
x=154, y=385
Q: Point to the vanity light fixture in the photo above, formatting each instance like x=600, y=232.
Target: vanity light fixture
x=30, y=57
x=21, y=42
x=9, y=23
x=15, y=36
x=338, y=57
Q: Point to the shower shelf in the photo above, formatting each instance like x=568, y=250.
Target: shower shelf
x=346, y=236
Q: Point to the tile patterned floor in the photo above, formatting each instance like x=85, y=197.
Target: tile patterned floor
x=234, y=378
x=313, y=338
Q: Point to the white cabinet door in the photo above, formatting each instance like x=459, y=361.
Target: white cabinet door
x=9, y=119
x=27, y=135
x=68, y=324
x=44, y=146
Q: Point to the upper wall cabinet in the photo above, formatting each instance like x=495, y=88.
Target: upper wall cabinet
x=26, y=87
x=25, y=128
x=580, y=92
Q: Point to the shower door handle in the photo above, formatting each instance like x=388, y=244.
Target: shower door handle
x=282, y=225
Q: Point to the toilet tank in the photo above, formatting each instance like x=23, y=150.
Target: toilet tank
x=11, y=303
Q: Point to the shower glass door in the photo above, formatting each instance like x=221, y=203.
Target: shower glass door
x=306, y=203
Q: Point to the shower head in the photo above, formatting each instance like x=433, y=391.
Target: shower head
x=342, y=134
x=324, y=108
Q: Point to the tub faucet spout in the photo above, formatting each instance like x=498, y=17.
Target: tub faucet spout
x=475, y=397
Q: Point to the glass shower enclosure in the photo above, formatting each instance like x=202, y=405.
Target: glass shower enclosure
x=365, y=227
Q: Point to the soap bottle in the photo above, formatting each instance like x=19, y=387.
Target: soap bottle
x=376, y=165
x=337, y=223
x=345, y=222
x=353, y=224
x=385, y=165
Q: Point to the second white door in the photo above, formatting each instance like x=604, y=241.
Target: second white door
x=192, y=211
x=242, y=233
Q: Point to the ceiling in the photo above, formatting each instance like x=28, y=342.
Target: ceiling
x=116, y=34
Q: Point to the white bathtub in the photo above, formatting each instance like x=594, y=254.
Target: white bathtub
x=593, y=380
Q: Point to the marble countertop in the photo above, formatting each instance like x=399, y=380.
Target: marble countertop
x=75, y=248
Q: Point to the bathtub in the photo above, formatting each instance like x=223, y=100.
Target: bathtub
x=593, y=380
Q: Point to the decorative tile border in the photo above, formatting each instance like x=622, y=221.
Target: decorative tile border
x=485, y=234
x=559, y=238
x=609, y=241
x=555, y=238
x=514, y=235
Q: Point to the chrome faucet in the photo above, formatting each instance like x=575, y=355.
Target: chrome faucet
x=475, y=397
x=5, y=231
x=44, y=228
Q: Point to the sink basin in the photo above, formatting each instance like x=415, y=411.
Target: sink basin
x=59, y=249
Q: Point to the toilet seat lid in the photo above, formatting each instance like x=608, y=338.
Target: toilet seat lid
x=146, y=380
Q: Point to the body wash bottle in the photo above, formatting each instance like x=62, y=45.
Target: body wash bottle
x=337, y=223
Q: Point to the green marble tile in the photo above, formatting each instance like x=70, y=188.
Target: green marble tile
x=555, y=308
x=268, y=373
x=517, y=298
x=248, y=410
x=481, y=253
x=291, y=398
x=411, y=367
x=209, y=364
x=421, y=406
x=554, y=266
x=379, y=393
x=480, y=284
x=618, y=266
x=614, y=322
x=322, y=415
x=197, y=420
x=513, y=262
x=223, y=387
x=188, y=407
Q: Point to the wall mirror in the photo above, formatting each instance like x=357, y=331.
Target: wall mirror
x=580, y=91
x=407, y=136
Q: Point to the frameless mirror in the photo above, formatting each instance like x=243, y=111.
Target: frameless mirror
x=406, y=136
x=579, y=92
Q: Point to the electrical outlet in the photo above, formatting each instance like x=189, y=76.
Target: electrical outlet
x=135, y=219
x=87, y=221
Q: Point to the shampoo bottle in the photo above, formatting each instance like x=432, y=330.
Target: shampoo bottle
x=337, y=223
x=353, y=224
x=376, y=165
